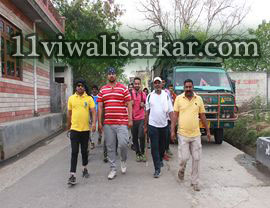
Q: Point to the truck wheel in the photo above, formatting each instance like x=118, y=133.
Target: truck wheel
x=218, y=134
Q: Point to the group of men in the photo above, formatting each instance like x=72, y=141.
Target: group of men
x=154, y=115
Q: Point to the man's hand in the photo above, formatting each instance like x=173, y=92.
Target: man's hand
x=100, y=128
x=173, y=136
x=130, y=123
x=93, y=127
x=68, y=126
x=142, y=105
x=145, y=129
x=208, y=135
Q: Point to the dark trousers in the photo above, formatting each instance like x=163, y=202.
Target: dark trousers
x=168, y=137
x=138, y=136
x=78, y=138
x=157, y=139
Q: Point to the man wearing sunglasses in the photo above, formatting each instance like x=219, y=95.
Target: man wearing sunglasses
x=114, y=97
x=79, y=107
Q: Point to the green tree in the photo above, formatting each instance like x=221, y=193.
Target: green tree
x=84, y=21
x=262, y=35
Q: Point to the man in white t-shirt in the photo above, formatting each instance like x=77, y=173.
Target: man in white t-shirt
x=158, y=106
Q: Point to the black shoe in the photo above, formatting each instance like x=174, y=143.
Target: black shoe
x=85, y=173
x=105, y=159
x=72, y=180
x=157, y=174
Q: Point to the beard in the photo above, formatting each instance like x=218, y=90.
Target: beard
x=189, y=93
x=111, y=80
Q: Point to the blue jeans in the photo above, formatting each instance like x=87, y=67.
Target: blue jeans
x=157, y=139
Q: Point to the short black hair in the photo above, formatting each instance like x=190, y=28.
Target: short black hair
x=82, y=81
x=95, y=87
x=137, y=78
x=188, y=80
x=170, y=85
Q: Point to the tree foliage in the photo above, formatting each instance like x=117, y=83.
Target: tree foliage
x=84, y=21
x=262, y=35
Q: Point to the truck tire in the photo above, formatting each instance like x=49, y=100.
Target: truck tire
x=218, y=134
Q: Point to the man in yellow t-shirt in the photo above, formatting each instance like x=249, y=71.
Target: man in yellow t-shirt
x=188, y=110
x=79, y=107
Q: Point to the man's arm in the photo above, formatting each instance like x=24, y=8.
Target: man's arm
x=69, y=119
x=100, y=111
x=130, y=122
x=93, y=112
x=174, y=120
x=205, y=123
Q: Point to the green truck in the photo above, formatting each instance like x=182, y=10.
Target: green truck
x=215, y=87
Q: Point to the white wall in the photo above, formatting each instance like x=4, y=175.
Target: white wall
x=68, y=77
x=249, y=85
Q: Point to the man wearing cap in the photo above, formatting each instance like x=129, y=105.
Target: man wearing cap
x=158, y=106
x=114, y=97
x=79, y=105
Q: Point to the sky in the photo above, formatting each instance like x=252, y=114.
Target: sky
x=259, y=11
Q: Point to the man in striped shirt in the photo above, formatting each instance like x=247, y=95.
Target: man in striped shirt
x=113, y=98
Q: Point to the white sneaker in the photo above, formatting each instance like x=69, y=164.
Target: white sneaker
x=123, y=167
x=112, y=175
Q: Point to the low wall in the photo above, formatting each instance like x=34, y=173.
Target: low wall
x=17, y=136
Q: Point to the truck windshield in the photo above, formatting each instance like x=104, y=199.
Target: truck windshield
x=205, y=80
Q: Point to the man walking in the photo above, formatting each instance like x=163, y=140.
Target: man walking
x=79, y=105
x=95, y=97
x=118, y=117
x=158, y=106
x=188, y=108
x=138, y=101
x=173, y=95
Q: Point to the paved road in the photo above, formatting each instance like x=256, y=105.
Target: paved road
x=228, y=179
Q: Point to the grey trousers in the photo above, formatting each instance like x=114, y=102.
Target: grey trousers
x=111, y=132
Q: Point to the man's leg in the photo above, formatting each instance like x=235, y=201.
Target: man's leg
x=134, y=131
x=162, y=142
x=154, y=139
x=74, y=139
x=141, y=136
x=105, y=152
x=110, y=140
x=167, y=138
x=122, y=136
x=183, y=153
x=84, y=146
x=84, y=151
x=196, y=150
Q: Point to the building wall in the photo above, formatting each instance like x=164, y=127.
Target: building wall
x=17, y=97
x=68, y=77
x=250, y=85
